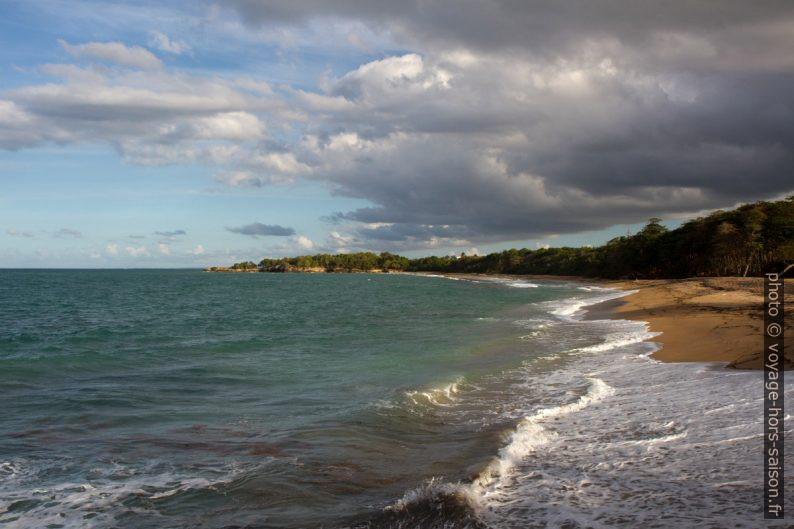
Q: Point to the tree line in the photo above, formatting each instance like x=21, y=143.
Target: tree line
x=746, y=241
x=352, y=262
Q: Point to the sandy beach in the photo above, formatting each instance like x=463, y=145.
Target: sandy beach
x=709, y=319
x=714, y=319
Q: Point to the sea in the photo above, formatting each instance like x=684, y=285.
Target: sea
x=183, y=399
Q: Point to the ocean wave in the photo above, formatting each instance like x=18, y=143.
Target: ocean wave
x=593, y=288
x=443, y=395
x=533, y=323
x=9, y=469
x=512, y=282
x=570, y=308
x=435, y=489
x=615, y=340
x=530, y=433
x=92, y=503
x=521, y=284
x=433, y=505
x=440, y=276
x=441, y=504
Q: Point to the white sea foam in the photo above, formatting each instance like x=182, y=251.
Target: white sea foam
x=570, y=308
x=440, y=276
x=514, y=282
x=593, y=288
x=443, y=395
x=648, y=444
x=647, y=450
x=8, y=469
x=531, y=433
x=534, y=323
x=92, y=503
x=521, y=284
x=618, y=339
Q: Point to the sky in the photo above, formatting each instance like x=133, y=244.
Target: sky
x=188, y=134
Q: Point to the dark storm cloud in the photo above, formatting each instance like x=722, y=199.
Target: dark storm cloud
x=256, y=229
x=434, y=201
x=550, y=27
x=518, y=119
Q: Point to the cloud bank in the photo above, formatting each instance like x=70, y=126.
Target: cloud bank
x=495, y=121
x=515, y=120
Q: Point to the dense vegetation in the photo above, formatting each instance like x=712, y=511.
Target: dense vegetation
x=352, y=262
x=749, y=240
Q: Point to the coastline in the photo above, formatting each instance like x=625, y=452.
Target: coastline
x=708, y=319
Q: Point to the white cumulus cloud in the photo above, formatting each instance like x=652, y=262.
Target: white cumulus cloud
x=163, y=43
x=304, y=242
x=137, y=251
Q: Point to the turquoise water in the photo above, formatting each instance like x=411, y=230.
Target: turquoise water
x=182, y=399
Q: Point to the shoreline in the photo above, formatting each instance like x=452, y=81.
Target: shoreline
x=705, y=319
x=708, y=319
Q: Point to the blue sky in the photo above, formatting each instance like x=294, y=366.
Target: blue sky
x=153, y=134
